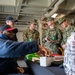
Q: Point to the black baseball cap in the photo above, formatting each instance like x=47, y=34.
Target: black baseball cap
x=8, y=28
x=11, y=19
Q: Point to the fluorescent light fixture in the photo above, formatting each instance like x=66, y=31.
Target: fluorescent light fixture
x=54, y=15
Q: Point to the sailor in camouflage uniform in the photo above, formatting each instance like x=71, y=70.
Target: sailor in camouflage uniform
x=52, y=36
x=67, y=31
x=31, y=34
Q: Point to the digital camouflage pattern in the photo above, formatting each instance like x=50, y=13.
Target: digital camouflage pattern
x=66, y=34
x=55, y=35
x=69, y=55
x=31, y=35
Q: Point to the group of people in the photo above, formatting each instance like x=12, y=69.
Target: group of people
x=30, y=33
x=53, y=37
x=10, y=48
x=68, y=44
x=66, y=39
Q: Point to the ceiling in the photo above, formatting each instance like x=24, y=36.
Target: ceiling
x=26, y=10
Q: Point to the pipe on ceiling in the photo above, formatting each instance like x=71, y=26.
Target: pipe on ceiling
x=54, y=9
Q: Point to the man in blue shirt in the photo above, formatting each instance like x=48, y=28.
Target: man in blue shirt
x=11, y=49
x=11, y=22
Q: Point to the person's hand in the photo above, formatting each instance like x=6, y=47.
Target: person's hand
x=20, y=70
x=63, y=46
x=43, y=51
x=51, y=41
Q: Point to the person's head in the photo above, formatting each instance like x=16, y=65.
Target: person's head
x=50, y=21
x=10, y=21
x=8, y=31
x=33, y=24
x=64, y=23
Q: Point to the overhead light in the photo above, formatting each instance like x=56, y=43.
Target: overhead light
x=54, y=15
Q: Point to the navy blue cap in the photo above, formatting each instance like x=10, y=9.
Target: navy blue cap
x=8, y=28
x=11, y=19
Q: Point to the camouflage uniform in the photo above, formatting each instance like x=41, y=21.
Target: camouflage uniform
x=66, y=34
x=31, y=35
x=55, y=35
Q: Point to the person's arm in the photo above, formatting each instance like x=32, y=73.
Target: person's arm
x=24, y=35
x=64, y=40
x=15, y=49
x=38, y=38
x=10, y=49
x=45, y=35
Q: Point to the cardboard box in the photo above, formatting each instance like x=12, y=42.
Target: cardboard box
x=46, y=61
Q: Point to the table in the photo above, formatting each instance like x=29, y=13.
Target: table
x=39, y=70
